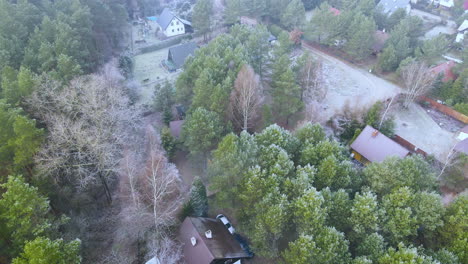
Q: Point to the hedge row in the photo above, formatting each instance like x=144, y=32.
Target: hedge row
x=165, y=43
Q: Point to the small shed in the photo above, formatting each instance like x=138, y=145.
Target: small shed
x=380, y=37
x=248, y=21
x=208, y=241
x=177, y=55
x=373, y=146
x=445, y=69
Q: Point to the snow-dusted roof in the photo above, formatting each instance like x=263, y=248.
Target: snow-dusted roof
x=446, y=3
x=463, y=26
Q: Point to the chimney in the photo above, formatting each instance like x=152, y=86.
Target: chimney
x=375, y=133
x=208, y=234
x=193, y=240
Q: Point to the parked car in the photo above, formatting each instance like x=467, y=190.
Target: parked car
x=226, y=223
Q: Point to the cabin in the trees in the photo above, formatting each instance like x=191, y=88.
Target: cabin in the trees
x=388, y=7
x=208, y=241
x=462, y=30
x=171, y=25
x=177, y=55
x=373, y=146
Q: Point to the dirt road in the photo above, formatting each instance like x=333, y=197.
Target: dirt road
x=348, y=83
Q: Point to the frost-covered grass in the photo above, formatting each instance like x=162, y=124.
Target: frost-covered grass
x=148, y=71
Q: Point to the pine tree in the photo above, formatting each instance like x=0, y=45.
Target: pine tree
x=202, y=16
x=198, y=198
x=284, y=90
x=294, y=15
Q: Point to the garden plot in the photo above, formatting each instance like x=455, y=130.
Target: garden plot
x=149, y=71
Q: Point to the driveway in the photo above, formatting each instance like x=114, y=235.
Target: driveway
x=416, y=126
x=347, y=83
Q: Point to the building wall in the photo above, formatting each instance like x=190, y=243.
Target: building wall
x=359, y=157
x=176, y=27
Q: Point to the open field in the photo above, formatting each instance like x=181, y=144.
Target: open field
x=347, y=83
x=416, y=126
x=149, y=71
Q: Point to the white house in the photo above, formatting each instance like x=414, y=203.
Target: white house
x=171, y=25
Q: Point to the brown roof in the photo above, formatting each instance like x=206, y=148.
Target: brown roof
x=462, y=146
x=379, y=40
x=222, y=245
x=376, y=147
x=176, y=127
x=445, y=69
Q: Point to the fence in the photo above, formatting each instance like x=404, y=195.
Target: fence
x=408, y=145
x=445, y=109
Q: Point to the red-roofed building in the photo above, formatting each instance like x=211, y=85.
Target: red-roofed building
x=465, y=5
x=335, y=11
x=446, y=70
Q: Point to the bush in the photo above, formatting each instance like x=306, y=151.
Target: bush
x=275, y=30
x=462, y=108
x=165, y=44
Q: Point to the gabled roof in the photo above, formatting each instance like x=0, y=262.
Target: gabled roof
x=222, y=245
x=376, y=147
x=445, y=69
x=167, y=16
x=390, y=6
x=446, y=3
x=180, y=52
x=335, y=11
x=463, y=26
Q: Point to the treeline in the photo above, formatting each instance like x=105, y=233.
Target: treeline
x=300, y=199
x=43, y=44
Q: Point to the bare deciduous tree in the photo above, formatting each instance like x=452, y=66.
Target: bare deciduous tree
x=166, y=250
x=417, y=79
x=311, y=80
x=246, y=98
x=88, y=121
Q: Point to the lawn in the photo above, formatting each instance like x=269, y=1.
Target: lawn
x=149, y=71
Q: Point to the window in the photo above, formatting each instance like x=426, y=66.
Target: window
x=177, y=23
x=172, y=30
x=177, y=29
x=172, y=23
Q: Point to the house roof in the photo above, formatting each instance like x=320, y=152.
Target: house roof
x=390, y=6
x=462, y=146
x=335, y=11
x=167, y=16
x=379, y=40
x=376, y=147
x=222, y=245
x=446, y=3
x=463, y=26
x=176, y=127
x=180, y=52
x=248, y=21
x=464, y=130
x=445, y=69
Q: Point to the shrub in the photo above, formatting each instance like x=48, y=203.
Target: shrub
x=462, y=108
x=165, y=44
